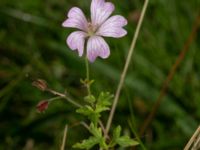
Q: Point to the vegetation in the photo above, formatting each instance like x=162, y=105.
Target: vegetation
x=33, y=47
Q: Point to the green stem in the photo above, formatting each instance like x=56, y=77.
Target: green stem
x=87, y=76
x=54, y=98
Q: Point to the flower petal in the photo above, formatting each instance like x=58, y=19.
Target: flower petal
x=97, y=46
x=113, y=27
x=76, y=19
x=76, y=41
x=100, y=11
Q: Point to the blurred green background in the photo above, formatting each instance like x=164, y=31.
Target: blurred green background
x=32, y=46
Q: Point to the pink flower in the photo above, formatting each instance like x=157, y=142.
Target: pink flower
x=101, y=24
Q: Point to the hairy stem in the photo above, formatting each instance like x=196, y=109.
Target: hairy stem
x=87, y=76
x=89, y=90
x=64, y=96
x=123, y=75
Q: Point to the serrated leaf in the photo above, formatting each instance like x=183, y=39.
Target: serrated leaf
x=102, y=143
x=100, y=108
x=116, y=135
x=95, y=131
x=104, y=99
x=87, y=144
x=125, y=141
x=90, y=113
x=86, y=110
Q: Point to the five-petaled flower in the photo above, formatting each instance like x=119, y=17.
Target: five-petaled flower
x=101, y=24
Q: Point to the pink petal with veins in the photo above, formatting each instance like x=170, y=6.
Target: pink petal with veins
x=97, y=46
x=113, y=27
x=76, y=19
x=76, y=41
x=100, y=11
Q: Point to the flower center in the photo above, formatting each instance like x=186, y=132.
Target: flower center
x=91, y=29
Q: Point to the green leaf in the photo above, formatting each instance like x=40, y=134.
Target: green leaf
x=116, y=135
x=90, y=99
x=95, y=131
x=102, y=143
x=117, y=132
x=125, y=141
x=87, y=144
x=104, y=99
x=85, y=110
x=100, y=108
x=90, y=113
x=97, y=138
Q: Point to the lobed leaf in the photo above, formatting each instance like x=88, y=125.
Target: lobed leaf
x=125, y=141
x=87, y=144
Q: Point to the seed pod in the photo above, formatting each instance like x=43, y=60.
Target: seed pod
x=40, y=84
x=42, y=105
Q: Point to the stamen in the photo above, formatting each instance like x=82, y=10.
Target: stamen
x=91, y=29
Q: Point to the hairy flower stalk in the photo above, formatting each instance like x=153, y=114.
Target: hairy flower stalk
x=100, y=25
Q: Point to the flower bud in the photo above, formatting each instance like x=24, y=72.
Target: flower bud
x=42, y=105
x=40, y=84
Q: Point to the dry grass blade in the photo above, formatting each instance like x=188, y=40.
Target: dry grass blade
x=124, y=72
x=194, y=142
x=64, y=138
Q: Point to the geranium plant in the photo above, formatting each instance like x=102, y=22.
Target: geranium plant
x=88, y=41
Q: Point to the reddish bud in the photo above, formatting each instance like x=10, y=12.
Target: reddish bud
x=42, y=105
x=40, y=84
